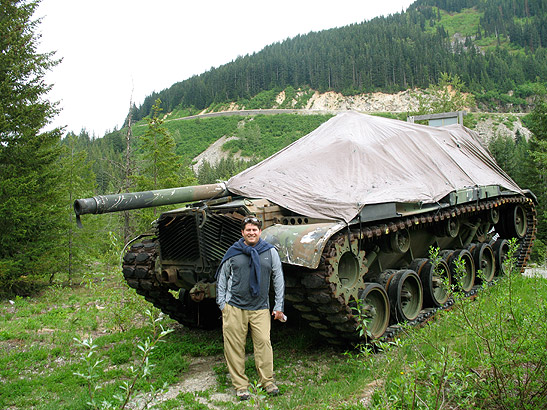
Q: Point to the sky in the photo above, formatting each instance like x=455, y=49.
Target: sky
x=117, y=51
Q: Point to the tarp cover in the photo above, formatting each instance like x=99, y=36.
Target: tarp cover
x=355, y=159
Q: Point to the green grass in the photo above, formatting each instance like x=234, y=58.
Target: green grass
x=265, y=135
x=501, y=334
x=195, y=135
x=260, y=136
x=464, y=23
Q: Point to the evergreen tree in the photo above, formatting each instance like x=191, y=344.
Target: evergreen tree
x=30, y=197
x=128, y=170
x=223, y=170
x=503, y=150
x=160, y=165
x=522, y=158
x=445, y=96
x=538, y=154
x=79, y=181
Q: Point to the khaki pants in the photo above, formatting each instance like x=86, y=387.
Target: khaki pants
x=235, y=323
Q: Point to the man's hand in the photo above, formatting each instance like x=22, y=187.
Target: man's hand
x=279, y=316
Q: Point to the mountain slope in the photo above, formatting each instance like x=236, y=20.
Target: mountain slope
x=495, y=46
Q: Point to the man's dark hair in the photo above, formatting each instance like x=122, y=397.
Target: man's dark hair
x=251, y=220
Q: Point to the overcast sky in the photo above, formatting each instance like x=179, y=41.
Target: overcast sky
x=117, y=50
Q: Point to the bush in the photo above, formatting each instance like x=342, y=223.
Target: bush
x=539, y=252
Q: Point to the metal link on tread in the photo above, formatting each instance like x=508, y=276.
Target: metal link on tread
x=138, y=271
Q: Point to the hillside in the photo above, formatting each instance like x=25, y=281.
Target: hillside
x=496, y=47
x=398, y=105
x=487, y=125
x=384, y=66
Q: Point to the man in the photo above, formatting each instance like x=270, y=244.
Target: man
x=243, y=285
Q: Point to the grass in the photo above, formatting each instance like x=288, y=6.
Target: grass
x=464, y=23
x=486, y=352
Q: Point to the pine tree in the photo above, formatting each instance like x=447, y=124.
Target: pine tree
x=160, y=165
x=538, y=154
x=79, y=183
x=503, y=150
x=446, y=96
x=128, y=170
x=30, y=198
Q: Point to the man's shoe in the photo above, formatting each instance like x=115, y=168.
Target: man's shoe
x=243, y=394
x=271, y=389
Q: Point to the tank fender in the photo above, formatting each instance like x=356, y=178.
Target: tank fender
x=301, y=245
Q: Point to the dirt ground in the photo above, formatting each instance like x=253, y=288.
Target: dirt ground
x=199, y=377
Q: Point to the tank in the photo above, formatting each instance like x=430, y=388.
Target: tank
x=353, y=209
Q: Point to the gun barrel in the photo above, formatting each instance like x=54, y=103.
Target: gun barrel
x=135, y=200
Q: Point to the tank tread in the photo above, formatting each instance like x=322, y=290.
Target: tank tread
x=138, y=272
x=334, y=319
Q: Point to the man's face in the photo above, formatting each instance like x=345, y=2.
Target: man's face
x=251, y=234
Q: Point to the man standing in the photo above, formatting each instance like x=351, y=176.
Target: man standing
x=243, y=285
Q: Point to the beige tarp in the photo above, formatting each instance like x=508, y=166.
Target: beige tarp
x=354, y=160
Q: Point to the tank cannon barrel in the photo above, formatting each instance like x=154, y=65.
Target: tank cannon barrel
x=135, y=200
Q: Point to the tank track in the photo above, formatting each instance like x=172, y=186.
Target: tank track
x=313, y=292
x=139, y=273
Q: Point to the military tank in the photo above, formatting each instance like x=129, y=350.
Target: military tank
x=353, y=209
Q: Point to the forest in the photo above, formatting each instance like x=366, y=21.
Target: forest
x=500, y=62
x=498, y=52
